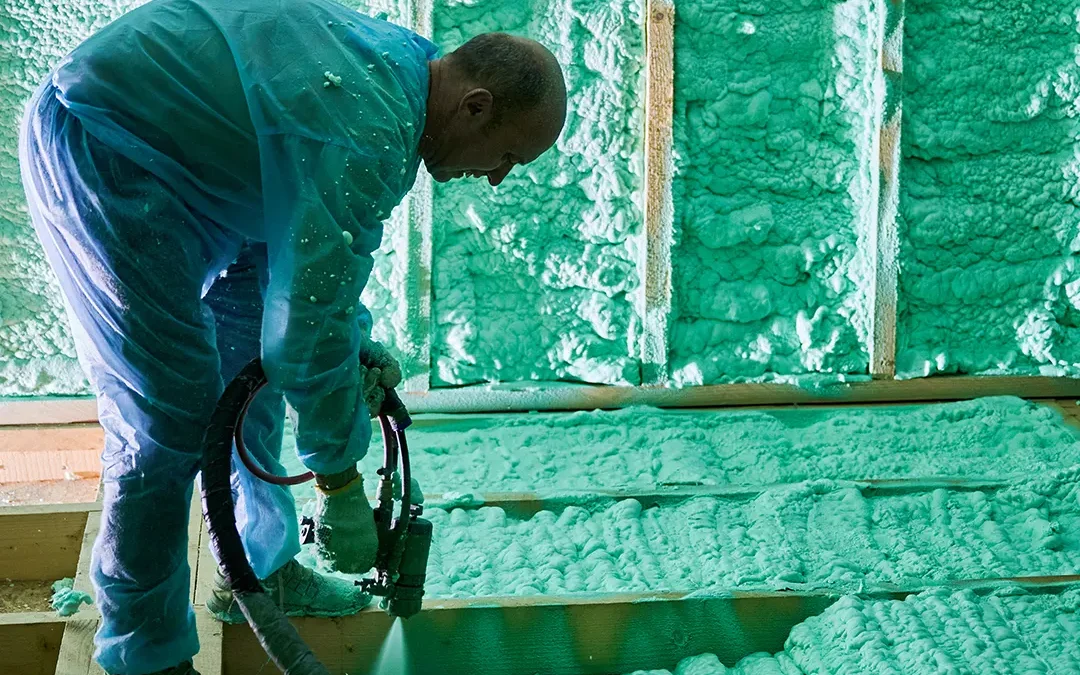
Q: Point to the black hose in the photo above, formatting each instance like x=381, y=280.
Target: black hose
x=269, y=623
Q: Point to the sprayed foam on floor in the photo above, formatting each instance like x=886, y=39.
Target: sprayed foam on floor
x=646, y=447
x=937, y=632
x=815, y=535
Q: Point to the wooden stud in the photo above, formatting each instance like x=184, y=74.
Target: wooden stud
x=417, y=258
x=209, y=660
x=77, y=647
x=526, y=504
x=885, y=237
x=418, y=287
x=584, y=397
x=658, y=208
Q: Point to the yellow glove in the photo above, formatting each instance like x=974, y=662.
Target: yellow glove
x=345, y=535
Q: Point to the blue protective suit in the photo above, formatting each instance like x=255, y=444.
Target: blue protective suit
x=208, y=179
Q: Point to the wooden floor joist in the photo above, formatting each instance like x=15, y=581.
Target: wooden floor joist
x=534, y=396
x=576, y=634
x=30, y=643
x=42, y=542
x=568, y=635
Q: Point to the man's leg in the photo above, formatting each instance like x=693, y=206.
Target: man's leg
x=132, y=260
x=265, y=513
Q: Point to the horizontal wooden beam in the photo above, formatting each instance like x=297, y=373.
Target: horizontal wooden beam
x=522, y=397
x=573, y=635
x=42, y=542
x=29, y=645
x=526, y=504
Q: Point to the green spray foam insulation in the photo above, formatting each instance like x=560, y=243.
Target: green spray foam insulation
x=988, y=201
x=819, y=534
x=933, y=633
x=646, y=447
x=774, y=130
x=537, y=278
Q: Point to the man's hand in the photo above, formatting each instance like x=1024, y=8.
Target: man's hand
x=344, y=523
x=380, y=371
x=374, y=355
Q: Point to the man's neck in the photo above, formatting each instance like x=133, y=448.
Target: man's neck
x=435, y=113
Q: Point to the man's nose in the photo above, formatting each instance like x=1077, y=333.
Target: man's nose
x=495, y=177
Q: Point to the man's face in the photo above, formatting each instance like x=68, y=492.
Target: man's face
x=475, y=146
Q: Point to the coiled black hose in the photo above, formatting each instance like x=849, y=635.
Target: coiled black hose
x=269, y=623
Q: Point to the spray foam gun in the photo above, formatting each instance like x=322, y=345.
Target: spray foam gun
x=405, y=541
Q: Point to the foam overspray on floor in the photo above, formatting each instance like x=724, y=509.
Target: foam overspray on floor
x=989, y=220
x=773, y=189
x=929, y=634
x=537, y=278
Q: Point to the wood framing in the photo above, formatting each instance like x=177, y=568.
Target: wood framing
x=658, y=208
x=885, y=237
x=417, y=256
x=77, y=647
x=42, y=542
x=30, y=642
x=529, y=396
x=576, y=634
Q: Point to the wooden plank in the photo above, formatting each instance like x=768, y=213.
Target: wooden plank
x=577, y=634
x=555, y=637
x=530, y=396
x=527, y=504
x=885, y=237
x=76, y=655
x=417, y=259
x=534, y=396
x=42, y=542
x=194, y=534
x=40, y=453
x=30, y=647
x=77, y=647
x=202, y=563
x=417, y=281
x=211, y=643
x=658, y=208
x=47, y=410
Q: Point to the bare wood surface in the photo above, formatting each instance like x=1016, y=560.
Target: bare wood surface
x=522, y=397
x=886, y=240
x=659, y=209
x=40, y=543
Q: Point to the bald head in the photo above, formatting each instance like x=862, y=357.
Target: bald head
x=496, y=102
x=521, y=74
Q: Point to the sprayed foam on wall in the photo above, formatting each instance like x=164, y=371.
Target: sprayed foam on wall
x=537, y=278
x=37, y=355
x=774, y=133
x=989, y=223
x=928, y=634
x=646, y=447
x=819, y=534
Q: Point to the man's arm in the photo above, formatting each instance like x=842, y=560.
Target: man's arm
x=313, y=323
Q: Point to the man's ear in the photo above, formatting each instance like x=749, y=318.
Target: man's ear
x=476, y=105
